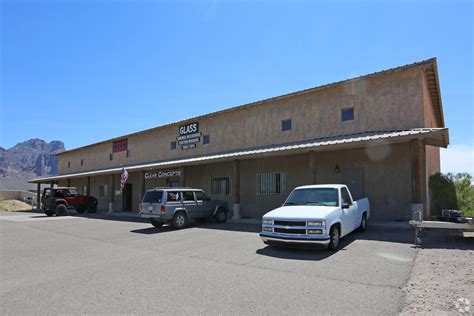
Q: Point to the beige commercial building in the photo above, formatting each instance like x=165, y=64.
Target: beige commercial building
x=380, y=134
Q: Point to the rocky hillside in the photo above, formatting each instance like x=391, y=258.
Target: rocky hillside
x=30, y=159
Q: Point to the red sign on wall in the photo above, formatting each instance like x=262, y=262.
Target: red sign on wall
x=120, y=145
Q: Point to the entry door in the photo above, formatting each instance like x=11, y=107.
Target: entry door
x=127, y=197
x=354, y=179
x=174, y=184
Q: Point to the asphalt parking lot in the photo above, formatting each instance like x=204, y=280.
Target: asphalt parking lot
x=94, y=264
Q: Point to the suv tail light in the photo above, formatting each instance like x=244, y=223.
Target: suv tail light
x=162, y=209
x=141, y=208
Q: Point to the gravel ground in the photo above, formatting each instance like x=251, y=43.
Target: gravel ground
x=442, y=280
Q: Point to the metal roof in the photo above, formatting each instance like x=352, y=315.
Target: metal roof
x=433, y=84
x=432, y=136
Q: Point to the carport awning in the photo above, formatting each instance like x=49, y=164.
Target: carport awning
x=431, y=136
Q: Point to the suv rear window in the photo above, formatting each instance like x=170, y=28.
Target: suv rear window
x=153, y=197
x=173, y=197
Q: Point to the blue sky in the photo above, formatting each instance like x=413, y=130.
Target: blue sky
x=86, y=71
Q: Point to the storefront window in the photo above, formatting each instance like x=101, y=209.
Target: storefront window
x=220, y=186
x=271, y=183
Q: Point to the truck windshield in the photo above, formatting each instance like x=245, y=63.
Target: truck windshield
x=313, y=196
x=153, y=197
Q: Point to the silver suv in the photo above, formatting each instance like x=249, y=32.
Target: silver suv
x=178, y=205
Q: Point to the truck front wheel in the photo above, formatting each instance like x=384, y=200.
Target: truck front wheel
x=334, y=238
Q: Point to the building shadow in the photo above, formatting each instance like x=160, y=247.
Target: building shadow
x=446, y=239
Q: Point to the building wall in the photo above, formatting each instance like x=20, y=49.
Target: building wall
x=385, y=102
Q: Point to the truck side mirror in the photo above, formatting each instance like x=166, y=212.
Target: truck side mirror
x=345, y=205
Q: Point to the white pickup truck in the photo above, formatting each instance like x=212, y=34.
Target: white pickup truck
x=315, y=214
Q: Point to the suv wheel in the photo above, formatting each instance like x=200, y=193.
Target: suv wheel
x=60, y=209
x=156, y=223
x=221, y=215
x=180, y=220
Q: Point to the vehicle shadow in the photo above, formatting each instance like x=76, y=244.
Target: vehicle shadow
x=302, y=252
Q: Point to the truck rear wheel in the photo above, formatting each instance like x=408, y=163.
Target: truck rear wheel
x=180, y=220
x=80, y=209
x=92, y=208
x=363, y=223
x=334, y=238
x=60, y=209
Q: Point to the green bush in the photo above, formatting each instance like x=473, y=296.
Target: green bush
x=442, y=193
x=464, y=193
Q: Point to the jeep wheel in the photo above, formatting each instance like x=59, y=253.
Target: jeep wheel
x=60, y=209
x=334, y=238
x=180, y=220
x=156, y=223
x=80, y=209
x=92, y=208
x=221, y=215
x=48, y=213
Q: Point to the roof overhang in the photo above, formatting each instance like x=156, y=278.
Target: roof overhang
x=430, y=136
x=432, y=81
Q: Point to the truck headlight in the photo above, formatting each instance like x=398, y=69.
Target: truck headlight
x=316, y=231
x=316, y=223
x=267, y=229
x=267, y=222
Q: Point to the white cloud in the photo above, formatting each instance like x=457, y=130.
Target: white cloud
x=457, y=158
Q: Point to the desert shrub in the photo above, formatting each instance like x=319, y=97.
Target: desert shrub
x=442, y=193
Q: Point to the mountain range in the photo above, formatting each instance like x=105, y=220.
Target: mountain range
x=30, y=159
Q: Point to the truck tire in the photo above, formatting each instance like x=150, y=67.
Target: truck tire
x=363, y=223
x=221, y=215
x=92, y=208
x=60, y=209
x=156, y=223
x=48, y=213
x=334, y=236
x=80, y=209
x=180, y=220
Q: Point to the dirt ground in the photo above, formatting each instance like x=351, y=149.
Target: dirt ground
x=442, y=280
x=13, y=205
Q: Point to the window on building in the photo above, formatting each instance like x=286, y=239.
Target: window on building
x=205, y=139
x=347, y=114
x=129, y=152
x=173, y=145
x=271, y=183
x=286, y=125
x=188, y=196
x=103, y=188
x=220, y=186
x=82, y=162
x=111, y=156
x=69, y=164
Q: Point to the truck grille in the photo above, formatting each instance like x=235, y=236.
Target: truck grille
x=289, y=223
x=290, y=231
